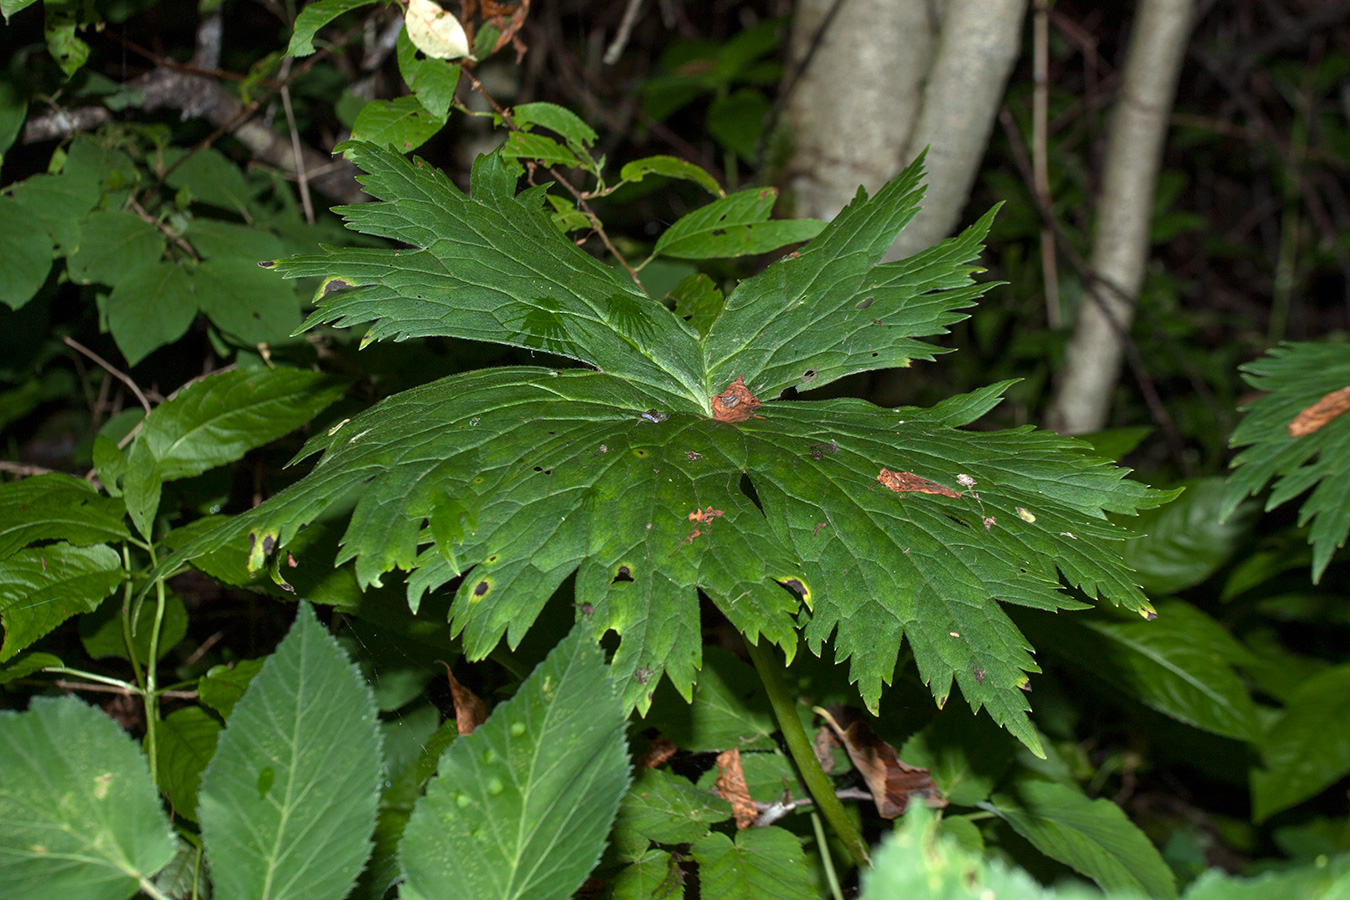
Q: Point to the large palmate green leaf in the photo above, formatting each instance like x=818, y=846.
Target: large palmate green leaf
x=78, y=813
x=1296, y=378
x=655, y=474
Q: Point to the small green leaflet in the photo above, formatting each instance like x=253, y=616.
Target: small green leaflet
x=1294, y=377
x=518, y=477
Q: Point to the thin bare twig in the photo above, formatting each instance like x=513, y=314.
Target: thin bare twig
x=301, y=178
x=113, y=689
x=110, y=369
x=1040, y=105
x=630, y=17
x=23, y=470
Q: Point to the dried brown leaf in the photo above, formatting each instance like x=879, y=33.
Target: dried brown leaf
x=1320, y=413
x=731, y=785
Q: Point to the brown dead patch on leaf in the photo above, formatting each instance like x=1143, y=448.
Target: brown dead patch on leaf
x=1320, y=413
x=731, y=785
x=656, y=753
x=908, y=482
x=470, y=712
x=736, y=403
x=891, y=782
x=705, y=515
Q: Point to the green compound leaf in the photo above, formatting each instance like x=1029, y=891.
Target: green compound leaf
x=518, y=477
x=1294, y=377
x=218, y=419
x=760, y=864
x=43, y=586
x=1308, y=748
x=520, y=808
x=57, y=507
x=287, y=804
x=1092, y=836
x=78, y=814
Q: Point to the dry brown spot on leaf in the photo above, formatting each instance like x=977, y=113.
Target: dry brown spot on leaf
x=736, y=403
x=470, y=712
x=908, y=482
x=890, y=781
x=1320, y=413
x=823, y=746
x=495, y=14
x=731, y=785
x=656, y=753
x=705, y=515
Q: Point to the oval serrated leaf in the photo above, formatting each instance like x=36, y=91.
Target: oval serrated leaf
x=43, y=586
x=521, y=807
x=434, y=31
x=287, y=805
x=79, y=816
x=1092, y=836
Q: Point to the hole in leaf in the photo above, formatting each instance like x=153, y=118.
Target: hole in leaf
x=809, y=375
x=748, y=489
x=623, y=574
x=875, y=355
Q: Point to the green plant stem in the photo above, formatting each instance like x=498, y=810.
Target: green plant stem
x=151, y=679
x=148, y=888
x=830, y=877
x=90, y=676
x=799, y=746
x=127, y=606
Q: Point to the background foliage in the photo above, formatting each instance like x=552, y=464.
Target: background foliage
x=152, y=385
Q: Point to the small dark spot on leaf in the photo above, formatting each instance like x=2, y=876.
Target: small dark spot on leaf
x=1149, y=615
x=795, y=585
x=623, y=574
x=818, y=451
x=693, y=455
x=866, y=303
x=492, y=558
x=269, y=543
x=335, y=284
x=642, y=675
x=481, y=588
x=979, y=675
x=640, y=452
x=539, y=468
x=585, y=608
x=809, y=375
x=267, y=263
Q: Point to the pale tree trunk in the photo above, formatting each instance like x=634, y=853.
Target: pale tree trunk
x=1120, y=242
x=889, y=78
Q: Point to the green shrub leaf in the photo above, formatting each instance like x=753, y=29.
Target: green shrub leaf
x=315, y=16
x=42, y=587
x=57, y=507
x=218, y=419
x=737, y=225
x=1180, y=664
x=760, y=864
x=287, y=804
x=521, y=807
x=186, y=740
x=1308, y=748
x=668, y=809
x=78, y=814
x=1092, y=836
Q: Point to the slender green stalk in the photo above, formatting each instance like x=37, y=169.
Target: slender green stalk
x=823, y=843
x=148, y=888
x=127, y=606
x=151, y=679
x=799, y=746
x=90, y=676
